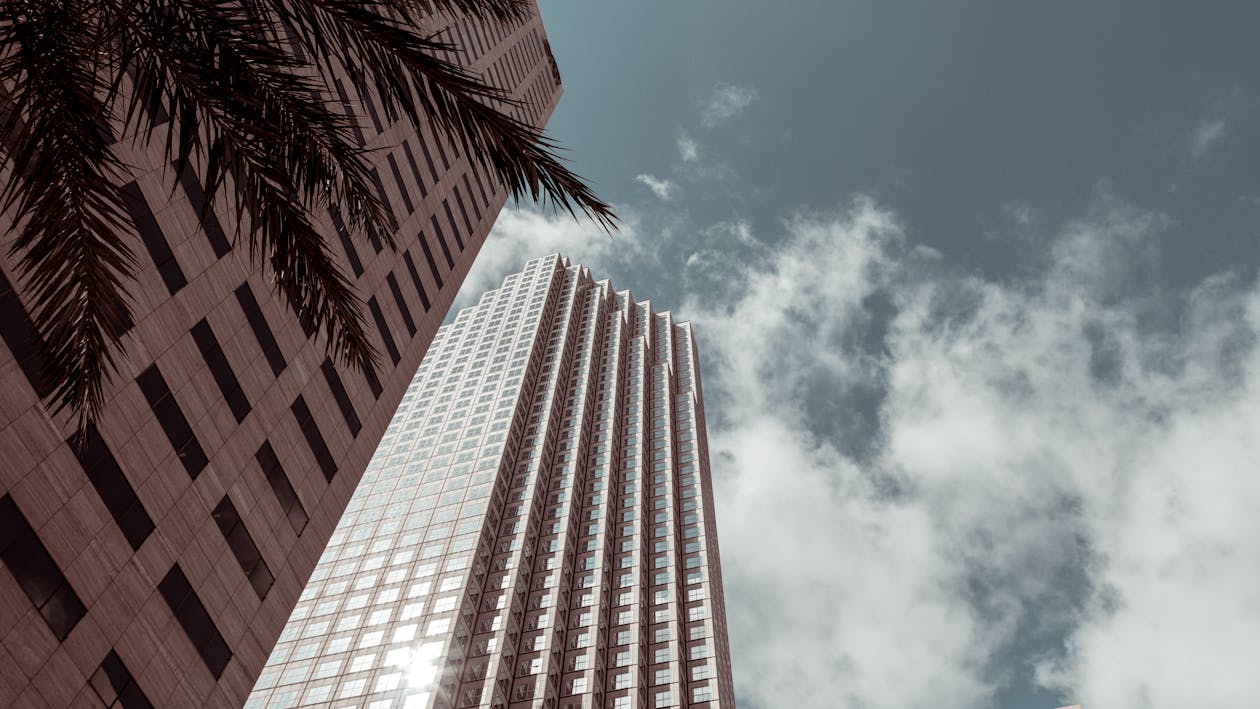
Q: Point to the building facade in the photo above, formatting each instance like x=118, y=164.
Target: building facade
x=156, y=563
x=536, y=528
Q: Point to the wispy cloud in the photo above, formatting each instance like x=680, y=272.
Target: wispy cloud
x=725, y=102
x=688, y=150
x=520, y=234
x=660, y=187
x=1207, y=134
x=1213, y=126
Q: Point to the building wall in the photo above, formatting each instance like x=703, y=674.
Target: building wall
x=536, y=528
x=158, y=562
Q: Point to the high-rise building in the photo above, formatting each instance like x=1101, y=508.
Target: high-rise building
x=536, y=528
x=157, y=563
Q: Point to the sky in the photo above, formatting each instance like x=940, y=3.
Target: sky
x=975, y=290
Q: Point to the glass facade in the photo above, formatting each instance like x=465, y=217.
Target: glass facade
x=536, y=527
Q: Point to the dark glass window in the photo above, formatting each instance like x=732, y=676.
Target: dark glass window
x=243, y=547
x=349, y=110
x=389, y=209
x=314, y=439
x=476, y=173
x=36, y=572
x=450, y=219
x=437, y=141
x=153, y=238
x=402, y=186
x=18, y=333
x=351, y=253
x=166, y=410
x=415, y=171
x=209, y=220
x=373, y=383
x=112, y=485
x=280, y=485
x=305, y=320
x=415, y=279
x=428, y=157
x=262, y=331
x=219, y=367
x=371, y=107
x=341, y=397
x=446, y=250
x=116, y=687
x=195, y=620
x=402, y=304
x=428, y=257
x=471, y=201
x=390, y=346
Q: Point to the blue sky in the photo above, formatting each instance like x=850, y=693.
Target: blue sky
x=975, y=287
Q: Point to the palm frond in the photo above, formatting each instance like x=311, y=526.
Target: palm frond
x=501, y=10
x=404, y=68
x=242, y=89
x=268, y=130
x=71, y=248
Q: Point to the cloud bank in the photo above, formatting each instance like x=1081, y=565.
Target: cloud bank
x=1046, y=464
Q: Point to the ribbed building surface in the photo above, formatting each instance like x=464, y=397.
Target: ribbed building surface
x=536, y=528
x=157, y=564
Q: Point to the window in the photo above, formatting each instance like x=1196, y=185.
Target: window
x=280, y=485
x=243, y=547
x=347, y=245
x=209, y=220
x=195, y=620
x=702, y=694
x=441, y=236
x=402, y=304
x=220, y=369
x=262, y=332
x=171, y=418
x=341, y=397
x=379, y=317
x=154, y=240
x=111, y=484
x=36, y=571
x=314, y=439
x=415, y=280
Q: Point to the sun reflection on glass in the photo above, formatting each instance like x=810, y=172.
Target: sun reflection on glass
x=420, y=664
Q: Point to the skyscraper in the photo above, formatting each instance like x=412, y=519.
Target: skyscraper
x=536, y=528
x=157, y=563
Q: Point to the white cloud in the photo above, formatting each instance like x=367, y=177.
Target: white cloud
x=660, y=187
x=1213, y=126
x=688, y=150
x=521, y=234
x=727, y=101
x=1028, y=433
x=1207, y=134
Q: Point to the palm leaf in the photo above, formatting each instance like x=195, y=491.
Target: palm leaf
x=241, y=89
x=73, y=250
